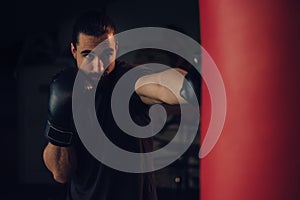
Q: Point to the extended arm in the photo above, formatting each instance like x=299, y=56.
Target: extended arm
x=173, y=86
x=162, y=87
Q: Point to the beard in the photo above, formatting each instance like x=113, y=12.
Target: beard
x=92, y=79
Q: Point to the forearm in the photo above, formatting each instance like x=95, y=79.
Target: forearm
x=61, y=161
x=163, y=87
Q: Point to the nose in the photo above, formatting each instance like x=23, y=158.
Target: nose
x=98, y=65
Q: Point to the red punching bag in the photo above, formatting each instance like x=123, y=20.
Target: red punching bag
x=256, y=47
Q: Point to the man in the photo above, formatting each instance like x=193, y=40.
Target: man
x=65, y=155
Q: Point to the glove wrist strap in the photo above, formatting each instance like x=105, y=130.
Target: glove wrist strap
x=58, y=136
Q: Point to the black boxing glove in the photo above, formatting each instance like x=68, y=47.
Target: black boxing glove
x=60, y=128
x=191, y=85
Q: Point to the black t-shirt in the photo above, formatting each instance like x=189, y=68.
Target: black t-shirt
x=95, y=181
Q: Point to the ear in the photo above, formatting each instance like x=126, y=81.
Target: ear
x=73, y=51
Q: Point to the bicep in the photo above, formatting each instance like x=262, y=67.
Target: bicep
x=149, y=93
x=162, y=87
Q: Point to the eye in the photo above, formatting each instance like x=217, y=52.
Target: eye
x=108, y=54
x=89, y=56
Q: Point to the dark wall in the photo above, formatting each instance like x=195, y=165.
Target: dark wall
x=34, y=45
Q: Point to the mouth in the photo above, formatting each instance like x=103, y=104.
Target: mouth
x=94, y=76
x=92, y=82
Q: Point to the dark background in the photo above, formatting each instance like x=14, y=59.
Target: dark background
x=35, y=37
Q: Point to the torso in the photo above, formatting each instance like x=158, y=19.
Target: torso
x=94, y=180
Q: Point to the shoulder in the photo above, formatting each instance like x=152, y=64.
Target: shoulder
x=124, y=67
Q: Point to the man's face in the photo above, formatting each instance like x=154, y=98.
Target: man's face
x=93, y=58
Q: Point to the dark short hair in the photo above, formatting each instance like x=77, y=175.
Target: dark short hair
x=94, y=23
